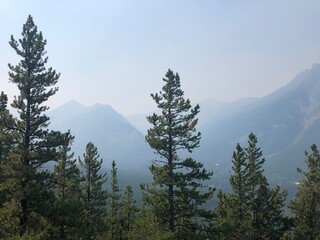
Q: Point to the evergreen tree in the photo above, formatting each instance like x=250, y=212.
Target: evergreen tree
x=113, y=219
x=94, y=196
x=3, y=114
x=147, y=227
x=238, y=184
x=9, y=187
x=34, y=144
x=265, y=203
x=223, y=226
x=67, y=207
x=253, y=210
x=10, y=193
x=5, y=120
x=128, y=213
x=232, y=211
x=306, y=204
x=177, y=194
x=5, y=146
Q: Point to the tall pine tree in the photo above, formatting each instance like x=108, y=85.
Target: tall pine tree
x=178, y=193
x=306, y=203
x=34, y=144
x=93, y=194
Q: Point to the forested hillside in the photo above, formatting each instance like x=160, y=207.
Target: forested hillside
x=47, y=192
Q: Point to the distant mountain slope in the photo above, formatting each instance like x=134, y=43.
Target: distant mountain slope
x=115, y=138
x=286, y=123
x=212, y=111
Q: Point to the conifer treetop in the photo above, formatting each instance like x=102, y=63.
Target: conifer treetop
x=30, y=74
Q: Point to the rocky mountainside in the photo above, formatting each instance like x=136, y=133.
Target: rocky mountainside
x=286, y=123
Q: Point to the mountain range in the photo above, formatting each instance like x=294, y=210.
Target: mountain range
x=286, y=123
x=113, y=135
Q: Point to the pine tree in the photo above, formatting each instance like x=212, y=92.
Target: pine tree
x=94, y=196
x=306, y=204
x=34, y=144
x=177, y=194
x=265, y=203
x=232, y=211
x=252, y=210
x=237, y=181
x=114, y=204
x=128, y=213
x=67, y=207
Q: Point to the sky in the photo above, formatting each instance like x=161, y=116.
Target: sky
x=117, y=52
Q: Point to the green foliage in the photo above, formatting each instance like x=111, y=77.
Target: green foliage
x=9, y=219
x=232, y=211
x=177, y=194
x=34, y=82
x=114, y=204
x=147, y=227
x=93, y=195
x=67, y=208
x=6, y=120
x=32, y=145
x=306, y=204
x=128, y=214
x=6, y=141
x=253, y=210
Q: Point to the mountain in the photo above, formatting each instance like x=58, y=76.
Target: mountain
x=286, y=123
x=65, y=113
x=113, y=135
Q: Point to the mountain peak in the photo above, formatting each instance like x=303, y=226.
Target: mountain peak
x=101, y=106
x=306, y=74
x=315, y=66
x=72, y=108
x=72, y=104
x=111, y=133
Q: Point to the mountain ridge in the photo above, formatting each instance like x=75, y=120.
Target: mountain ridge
x=286, y=123
x=277, y=120
x=113, y=135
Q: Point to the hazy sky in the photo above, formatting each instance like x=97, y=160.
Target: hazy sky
x=116, y=52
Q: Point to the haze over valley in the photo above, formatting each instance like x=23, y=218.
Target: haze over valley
x=286, y=123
